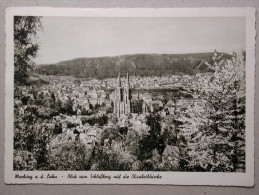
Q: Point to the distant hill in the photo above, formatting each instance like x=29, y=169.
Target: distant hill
x=137, y=64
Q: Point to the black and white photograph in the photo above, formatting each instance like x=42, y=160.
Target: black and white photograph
x=130, y=98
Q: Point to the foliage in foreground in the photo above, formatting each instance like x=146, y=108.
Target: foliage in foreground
x=215, y=129
x=25, y=46
x=69, y=155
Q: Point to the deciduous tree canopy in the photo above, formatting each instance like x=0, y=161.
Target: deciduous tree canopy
x=25, y=46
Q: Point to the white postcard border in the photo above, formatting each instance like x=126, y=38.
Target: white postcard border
x=175, y=178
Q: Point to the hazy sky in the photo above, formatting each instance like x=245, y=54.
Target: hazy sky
x=65, y=38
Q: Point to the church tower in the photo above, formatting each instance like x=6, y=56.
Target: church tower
x=117, y=97
x=122, y=98
x=127, y=95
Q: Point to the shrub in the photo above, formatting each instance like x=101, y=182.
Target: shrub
x=68, y=155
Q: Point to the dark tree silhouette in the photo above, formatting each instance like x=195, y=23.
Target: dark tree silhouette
x=69, y=106
x=25, y=46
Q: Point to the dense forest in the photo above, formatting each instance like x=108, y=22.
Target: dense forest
x=138, y=64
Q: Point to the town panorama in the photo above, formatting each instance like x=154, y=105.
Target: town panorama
x=153, y=112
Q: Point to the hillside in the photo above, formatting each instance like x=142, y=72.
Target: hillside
x=138, y=64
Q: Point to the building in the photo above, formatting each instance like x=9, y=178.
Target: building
x=123, y=103
x=122, y=98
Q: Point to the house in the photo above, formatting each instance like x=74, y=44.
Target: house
x=158, y=102
x=155, y=106
x=21, y=111
x=18, y=103
x=83, y=138
x=92, y=93
x=78, y=112
x=45, y=92
x=164, y=112
x=170, y=103
x=64, y=125
x=30, y=95
x=91, y=134
x=170, y=110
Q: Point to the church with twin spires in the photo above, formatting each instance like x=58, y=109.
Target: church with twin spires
x=123, y=102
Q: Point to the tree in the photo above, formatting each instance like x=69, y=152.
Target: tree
x=41, y=96
x=30, y=145
x=91, y=106
x=77, y=82
x=215, y=129
x=53, y=97
x=154, y=122
x=96, y=106
x=84, y=111
x=113, y=157
x=65, y=154
x=153, y=140
x=25, y=46
x=69, y=106
x=58, y=105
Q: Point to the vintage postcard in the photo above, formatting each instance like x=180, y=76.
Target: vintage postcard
x=130, y=96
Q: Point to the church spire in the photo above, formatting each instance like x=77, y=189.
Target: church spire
x=119, y=80
x=128, y=83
